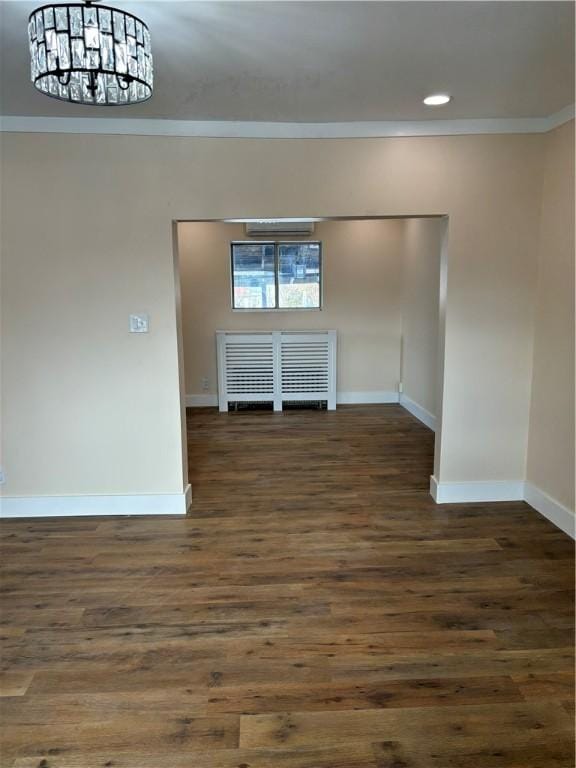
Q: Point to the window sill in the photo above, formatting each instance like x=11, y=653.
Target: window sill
x=277, y=311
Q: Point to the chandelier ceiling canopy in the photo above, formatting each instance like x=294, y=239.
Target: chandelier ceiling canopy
x=90, y=54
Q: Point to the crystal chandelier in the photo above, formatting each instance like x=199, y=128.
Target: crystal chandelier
x=90, y=55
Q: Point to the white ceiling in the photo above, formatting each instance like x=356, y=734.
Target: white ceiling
x=329, y=61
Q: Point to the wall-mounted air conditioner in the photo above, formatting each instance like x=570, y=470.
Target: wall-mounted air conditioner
x=279, y=228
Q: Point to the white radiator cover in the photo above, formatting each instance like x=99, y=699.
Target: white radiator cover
x=276, y=366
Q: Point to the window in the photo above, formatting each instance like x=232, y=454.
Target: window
x=276, y=275
x=254, y=276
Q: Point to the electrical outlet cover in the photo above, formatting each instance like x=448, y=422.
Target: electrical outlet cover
x=139, y=323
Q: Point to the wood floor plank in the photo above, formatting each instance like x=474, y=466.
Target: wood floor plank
x=331, y=645
x=195, y=674
x=14, y=683
x=526, y=602
x=340, y=756
x=75, y=709
x=299, y=729
x=171, y=734
x=316, y=609
x=395, y=667
x=183, y=614
x=556, y=686
x=499, y=751
x=541, y=638
x=433, y=692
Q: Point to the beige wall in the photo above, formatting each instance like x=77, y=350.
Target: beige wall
x=86, y=240
x=551, y=443
x=88, y=408
x=362, y=263
x=422, y=245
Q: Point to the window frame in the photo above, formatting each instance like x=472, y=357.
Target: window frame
x=277, y=244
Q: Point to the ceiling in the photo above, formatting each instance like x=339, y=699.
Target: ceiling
x=329, y=61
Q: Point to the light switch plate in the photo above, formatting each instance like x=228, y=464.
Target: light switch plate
x=139, y=323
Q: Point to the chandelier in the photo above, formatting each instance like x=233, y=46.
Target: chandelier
x=90, y=55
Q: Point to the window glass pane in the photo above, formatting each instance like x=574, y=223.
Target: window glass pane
x=299, y=275
x=253, y=276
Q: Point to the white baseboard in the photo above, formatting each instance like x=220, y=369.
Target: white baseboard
x=421, y=413
x=552, y=510
x=187, y=498
x=342, y=398
x=484, y=490
x=83, y=506
x=367, y=398
x=201, y=401
x=516, y=490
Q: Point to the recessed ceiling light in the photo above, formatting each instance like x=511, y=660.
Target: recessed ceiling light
x=437, y=99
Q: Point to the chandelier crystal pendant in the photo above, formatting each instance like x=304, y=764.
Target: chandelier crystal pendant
x=90, y=55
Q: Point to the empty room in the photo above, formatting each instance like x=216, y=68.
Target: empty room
x=287, y=384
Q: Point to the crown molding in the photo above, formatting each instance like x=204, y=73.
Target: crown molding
x=255, y=130
x=561, y=117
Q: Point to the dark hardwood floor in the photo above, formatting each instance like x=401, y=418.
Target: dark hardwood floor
x=315, y=610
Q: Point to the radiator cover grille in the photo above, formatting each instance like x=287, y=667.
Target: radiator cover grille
x=276, y=367
x=305, y=366
x=249, y=367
